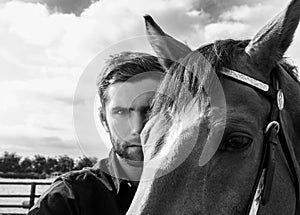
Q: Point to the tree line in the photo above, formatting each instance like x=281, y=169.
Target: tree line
x=39, y=164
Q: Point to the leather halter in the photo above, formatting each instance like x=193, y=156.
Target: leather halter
x=273, y=136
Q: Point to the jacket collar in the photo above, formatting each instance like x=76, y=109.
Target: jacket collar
x=112, y=167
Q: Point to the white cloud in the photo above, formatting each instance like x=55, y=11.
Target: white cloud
x=30, y=22
x=65, y=38
x=226, y=30
x=243, y=22
x=29, y=107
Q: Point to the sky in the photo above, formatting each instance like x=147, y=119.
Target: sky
x=49, y=47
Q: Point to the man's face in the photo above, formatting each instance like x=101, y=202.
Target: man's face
x=125, y=109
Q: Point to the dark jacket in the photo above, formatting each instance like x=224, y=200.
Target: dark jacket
x=91, y=191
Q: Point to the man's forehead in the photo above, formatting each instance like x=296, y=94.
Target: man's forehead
x=132, y=93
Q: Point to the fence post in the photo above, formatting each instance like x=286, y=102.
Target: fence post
x=32, y=194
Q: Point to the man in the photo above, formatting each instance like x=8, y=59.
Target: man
x=126, y=87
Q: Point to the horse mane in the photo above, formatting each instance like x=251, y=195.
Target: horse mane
x=187, y=78
x=291, y=69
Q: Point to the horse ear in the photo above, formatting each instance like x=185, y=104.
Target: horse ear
x=165, y=46
x=273, y=40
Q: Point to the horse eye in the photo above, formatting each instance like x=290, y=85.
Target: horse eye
x=237, y=143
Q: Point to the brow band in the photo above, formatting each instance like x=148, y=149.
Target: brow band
x=246, y=79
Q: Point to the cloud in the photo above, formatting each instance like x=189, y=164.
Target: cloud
x=217, y=7
x=244, y=21
x=29, y=146
x=68, y=6
x=43, y=54
x=237, y=20
x=63, y=6
x=63, y=39
x=28, y=111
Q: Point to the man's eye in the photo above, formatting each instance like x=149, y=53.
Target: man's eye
x=237, y=143
x=121, y=112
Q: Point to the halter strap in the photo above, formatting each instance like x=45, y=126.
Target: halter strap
x=251, y=82
x=263, y=184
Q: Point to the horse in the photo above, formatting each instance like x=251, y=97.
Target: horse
x=237, y=156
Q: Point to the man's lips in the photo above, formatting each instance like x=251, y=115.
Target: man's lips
x=134, y=143
x=135, y=146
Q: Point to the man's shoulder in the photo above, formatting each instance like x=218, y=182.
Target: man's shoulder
x=76, y=188
x=67, y=183
x=88, y=176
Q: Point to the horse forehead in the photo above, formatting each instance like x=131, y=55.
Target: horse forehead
x=241, y=62
x=239, y=95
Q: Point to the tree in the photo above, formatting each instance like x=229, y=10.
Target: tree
x=85, y=162
x=26, y=165
x=10, y=162
x=51, y=165
x=39, y=164
x=65, y=163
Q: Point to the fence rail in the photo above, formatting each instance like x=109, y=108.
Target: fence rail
x=17, y=196
x=31, y=196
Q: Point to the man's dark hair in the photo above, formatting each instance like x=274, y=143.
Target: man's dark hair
x=123, y=66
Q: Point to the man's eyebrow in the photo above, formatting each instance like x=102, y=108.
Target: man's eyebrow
x=119, y=108
x=115, y=108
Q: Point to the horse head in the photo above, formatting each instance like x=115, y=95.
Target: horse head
x=210, y=146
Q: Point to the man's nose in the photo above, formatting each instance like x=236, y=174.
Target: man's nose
x=137, y=122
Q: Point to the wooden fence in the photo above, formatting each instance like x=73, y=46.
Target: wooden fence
x=31, y=197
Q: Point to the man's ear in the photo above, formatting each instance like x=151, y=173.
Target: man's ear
x=103, y=120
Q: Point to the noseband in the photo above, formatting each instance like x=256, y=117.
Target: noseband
x=273, y=136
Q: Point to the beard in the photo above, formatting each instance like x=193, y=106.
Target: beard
x=125, y=151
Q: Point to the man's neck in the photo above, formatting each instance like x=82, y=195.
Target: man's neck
x=132, y=169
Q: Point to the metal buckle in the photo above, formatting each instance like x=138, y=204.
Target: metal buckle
x=271, y=124
x=280, y=100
